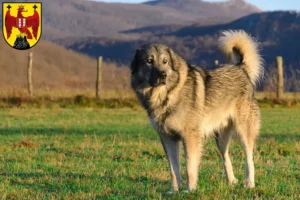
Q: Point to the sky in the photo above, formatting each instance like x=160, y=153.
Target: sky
x=266, y=5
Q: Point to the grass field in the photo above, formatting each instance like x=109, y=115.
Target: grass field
x=86, y=153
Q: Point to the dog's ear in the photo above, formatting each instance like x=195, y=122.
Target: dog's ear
x=175, y=59
x=134, y=63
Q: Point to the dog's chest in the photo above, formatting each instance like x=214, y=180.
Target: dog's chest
x=170, y=125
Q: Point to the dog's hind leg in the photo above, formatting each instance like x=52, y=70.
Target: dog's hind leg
x=171, y=146
x=223, y=138
x=247, y=126
x=248, y=147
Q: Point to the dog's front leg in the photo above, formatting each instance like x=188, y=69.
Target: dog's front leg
x=192, y=146
x=172, y=149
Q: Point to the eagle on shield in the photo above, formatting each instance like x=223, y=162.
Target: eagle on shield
x=22, y=23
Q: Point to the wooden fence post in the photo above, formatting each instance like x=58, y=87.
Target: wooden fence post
x=29, y=75
x=216, y=63
x=280, y=84
x=99, y=77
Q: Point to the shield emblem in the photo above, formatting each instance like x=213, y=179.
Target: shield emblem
x=22, y=24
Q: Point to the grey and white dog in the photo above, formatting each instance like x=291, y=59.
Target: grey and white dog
x=186, y=103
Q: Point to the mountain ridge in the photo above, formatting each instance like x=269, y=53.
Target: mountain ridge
x=81, y=18
x=277, y=31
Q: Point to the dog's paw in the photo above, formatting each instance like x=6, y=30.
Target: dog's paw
x=233, y=181
x=171, y=192
x=249, y=184
x=189, y=190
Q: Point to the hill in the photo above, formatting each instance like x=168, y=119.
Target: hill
x=230, y=9
x=191, y=27
x=278, y=33
x=55, y=67
x=82, y=18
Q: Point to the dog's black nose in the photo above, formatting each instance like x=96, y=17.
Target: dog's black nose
x=157, y=77
x=163, y=75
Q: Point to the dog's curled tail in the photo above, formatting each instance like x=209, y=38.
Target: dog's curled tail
x=241, y=49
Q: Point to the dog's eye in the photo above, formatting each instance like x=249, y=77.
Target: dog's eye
x=165, y=61
x=149, y=61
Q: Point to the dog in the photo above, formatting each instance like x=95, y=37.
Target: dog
x=187, y=103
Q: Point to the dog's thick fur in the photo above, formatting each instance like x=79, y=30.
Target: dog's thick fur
x=193, y=103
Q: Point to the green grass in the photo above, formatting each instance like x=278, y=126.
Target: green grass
x=86, y=153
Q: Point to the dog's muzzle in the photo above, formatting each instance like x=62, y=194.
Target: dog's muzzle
x=157, y=77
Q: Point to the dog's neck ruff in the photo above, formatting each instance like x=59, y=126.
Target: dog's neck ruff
x=160, y=102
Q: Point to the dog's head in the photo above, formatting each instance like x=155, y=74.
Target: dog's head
x=154, y=66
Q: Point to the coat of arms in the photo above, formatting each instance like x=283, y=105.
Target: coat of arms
x=22, y=24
